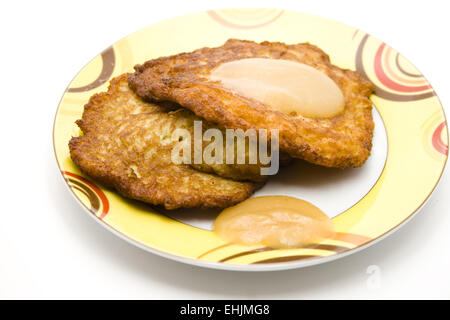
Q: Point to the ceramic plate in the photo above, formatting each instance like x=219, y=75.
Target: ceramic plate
x=409, y=147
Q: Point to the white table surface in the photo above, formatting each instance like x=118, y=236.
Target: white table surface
x=50, y=248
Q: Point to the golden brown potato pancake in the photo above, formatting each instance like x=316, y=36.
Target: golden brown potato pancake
x=342, y=141
x=126, y=144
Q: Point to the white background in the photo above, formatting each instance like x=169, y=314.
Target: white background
x=50, y=248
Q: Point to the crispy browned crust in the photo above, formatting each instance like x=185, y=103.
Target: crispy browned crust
x=342, y=141
x=126, y=145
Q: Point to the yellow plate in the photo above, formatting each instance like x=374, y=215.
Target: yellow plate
x=408, y=157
